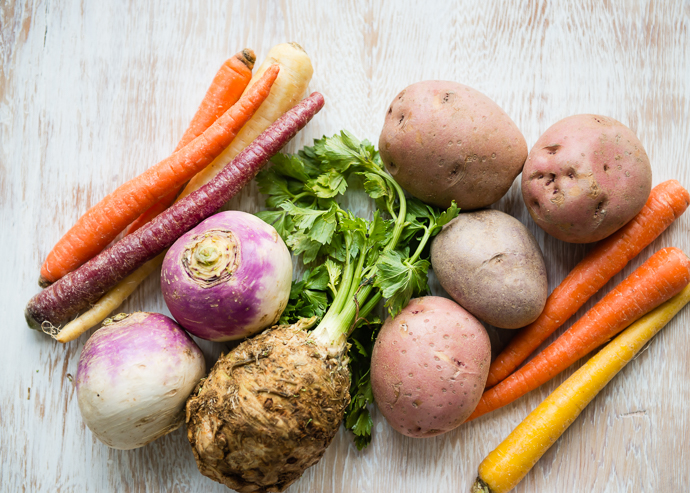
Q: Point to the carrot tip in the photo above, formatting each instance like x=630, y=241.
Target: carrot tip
x=43, y=282
x=31, y=321
x=248, y=57
x=480, y=486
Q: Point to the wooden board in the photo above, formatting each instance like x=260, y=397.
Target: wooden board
x=92, y=93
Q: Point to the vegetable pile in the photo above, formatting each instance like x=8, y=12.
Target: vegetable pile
x=76, y=290
x=315, y=352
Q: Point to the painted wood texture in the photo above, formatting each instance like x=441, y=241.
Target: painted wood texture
x=92, y=93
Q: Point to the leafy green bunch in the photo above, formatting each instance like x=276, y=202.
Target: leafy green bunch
x=352, y=262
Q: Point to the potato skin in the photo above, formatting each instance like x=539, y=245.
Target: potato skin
x=492, y=265
x=586, y=177
x=429, y=367
x=444, y=141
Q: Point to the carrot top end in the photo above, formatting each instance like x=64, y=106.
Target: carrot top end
x=297, y=46
x=43, y=282
x=248, y=57
x=31, y=321
x=480, y=486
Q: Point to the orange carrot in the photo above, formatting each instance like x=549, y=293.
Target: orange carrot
x=103, y=222
x=666, y=203
x=225, y=90
x=664, y=275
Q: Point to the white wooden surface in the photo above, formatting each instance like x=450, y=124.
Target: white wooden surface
x=93, y=92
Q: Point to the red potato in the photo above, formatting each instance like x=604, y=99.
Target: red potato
x=585, y=178
x=429, y=367
x=445, y=141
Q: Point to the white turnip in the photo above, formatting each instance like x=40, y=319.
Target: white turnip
x=133, y=378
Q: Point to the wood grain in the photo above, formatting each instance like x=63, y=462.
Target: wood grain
x=92, y=93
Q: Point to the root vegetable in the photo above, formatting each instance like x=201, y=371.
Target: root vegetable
x=268, y=410
x=444, y=141
x=133, y=378
x=227, y=278
x=490, y=263
x=429, y=367
x=68, y=296
x=585, y=177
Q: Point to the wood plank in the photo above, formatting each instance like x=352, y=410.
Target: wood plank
x=92, y=93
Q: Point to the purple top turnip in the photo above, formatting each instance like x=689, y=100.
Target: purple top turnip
x=227, y=278
x=133, y=378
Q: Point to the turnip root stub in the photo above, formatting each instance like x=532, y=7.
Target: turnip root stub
x=133, y=378
x=227, y=278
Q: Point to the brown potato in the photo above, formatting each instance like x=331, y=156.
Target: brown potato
x=586, y=177
x=444, y=141
x=491, y=264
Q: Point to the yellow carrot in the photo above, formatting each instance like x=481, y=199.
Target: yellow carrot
x=288, y=89
x=505, y=467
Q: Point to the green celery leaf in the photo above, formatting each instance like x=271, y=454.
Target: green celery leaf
x=357, y=416
x=379, y=230
x=445, y=217
x=399, y=280
x=371, y=151
x=294, y=166
x=296, y=289
x=328, y=184
x=337, y=248
x=304, y=217
x=274, y=185
x=334, y=270
x=412, y=227
x=357, y=230
x=318, y=300
x=375, y=186
x=419, y=209
x=301, y=244
x=341, y=151
x=317, y=278
x=361, y=427
x=323, y=228
x=282, y=223
x=359, y=347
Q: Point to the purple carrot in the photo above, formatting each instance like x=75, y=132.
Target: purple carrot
x=65, y=298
